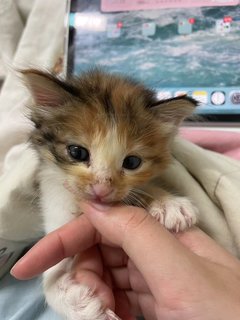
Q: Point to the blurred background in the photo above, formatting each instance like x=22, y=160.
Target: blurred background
x=13, y=17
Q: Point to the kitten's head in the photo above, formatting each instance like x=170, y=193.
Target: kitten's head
x=108, y=133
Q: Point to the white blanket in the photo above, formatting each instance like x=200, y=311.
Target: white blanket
x=40, y=44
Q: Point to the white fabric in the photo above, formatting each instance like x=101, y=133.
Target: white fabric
x=212, y=181
x=40, y=44
x=11, y=26
x=13, y=15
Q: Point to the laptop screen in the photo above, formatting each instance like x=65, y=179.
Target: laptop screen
x=174, y=46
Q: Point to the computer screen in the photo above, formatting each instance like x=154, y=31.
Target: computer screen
x=174, y=46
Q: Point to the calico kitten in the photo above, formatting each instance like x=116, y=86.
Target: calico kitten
x=101, y=137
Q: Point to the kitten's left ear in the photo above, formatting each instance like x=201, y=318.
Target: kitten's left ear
x=174, y=110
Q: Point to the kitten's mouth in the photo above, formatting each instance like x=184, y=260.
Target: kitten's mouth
x=102, y=200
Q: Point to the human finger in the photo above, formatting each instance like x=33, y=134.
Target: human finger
x=127, y=278
x=201, y=244
x=124, y=273
x=142, y=304
x=122, y=305
x=88, y=270
x=132, y=228
x=113, y=256
x=77, y=235
x=135, y=282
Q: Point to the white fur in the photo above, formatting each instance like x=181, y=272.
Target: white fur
x=68, y=297
x=175, y=213
x=58, y=204
x=71, y=299
x=18, y=197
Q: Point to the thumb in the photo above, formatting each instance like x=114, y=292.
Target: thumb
x=149, y=245
x=118, y=224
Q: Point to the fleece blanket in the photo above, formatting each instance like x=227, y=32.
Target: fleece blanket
x=210, y=178
x=37, y=40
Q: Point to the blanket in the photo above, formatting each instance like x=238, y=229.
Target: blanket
x=208, y=177
x=40, y=44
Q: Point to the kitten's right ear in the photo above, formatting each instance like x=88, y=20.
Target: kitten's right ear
x=174, y=110
x=47, y=89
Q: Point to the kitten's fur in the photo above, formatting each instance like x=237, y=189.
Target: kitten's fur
x=113, y=118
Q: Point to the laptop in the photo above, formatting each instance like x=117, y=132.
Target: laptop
x=173, y=46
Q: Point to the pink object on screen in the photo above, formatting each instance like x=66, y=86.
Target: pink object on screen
x=130, y=5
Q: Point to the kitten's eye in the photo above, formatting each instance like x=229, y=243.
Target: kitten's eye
x=131, y=162
x=78, y=153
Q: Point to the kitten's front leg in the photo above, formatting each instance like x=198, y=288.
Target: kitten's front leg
x=174, y=212
x=71, y=299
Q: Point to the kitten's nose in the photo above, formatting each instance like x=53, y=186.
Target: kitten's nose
x=101, y=190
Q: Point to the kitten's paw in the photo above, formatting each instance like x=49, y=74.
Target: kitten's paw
x=75, y=301
x=175, y=213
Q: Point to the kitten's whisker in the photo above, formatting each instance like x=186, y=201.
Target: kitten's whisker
x=136, y=200
x=144, y=202
x=125, y=202
x=144, y=193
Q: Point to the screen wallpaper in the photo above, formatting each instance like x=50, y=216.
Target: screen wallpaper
x=191, y=49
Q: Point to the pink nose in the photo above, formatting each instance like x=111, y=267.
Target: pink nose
x=101, y=190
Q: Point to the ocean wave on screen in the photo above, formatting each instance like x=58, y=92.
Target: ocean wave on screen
x=203, y=57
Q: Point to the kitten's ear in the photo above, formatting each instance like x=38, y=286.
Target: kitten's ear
x=47, y=89
x=173, y=111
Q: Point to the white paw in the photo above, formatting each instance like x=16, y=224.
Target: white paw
x=75, y=301
x=175, y=213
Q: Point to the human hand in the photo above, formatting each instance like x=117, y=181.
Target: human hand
x=192, y=278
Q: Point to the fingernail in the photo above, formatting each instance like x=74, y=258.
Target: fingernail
x=100, y=206
x=16, y=266
x=12, y=271
x=95, y=205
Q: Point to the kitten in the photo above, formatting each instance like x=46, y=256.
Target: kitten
x=101, y=137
